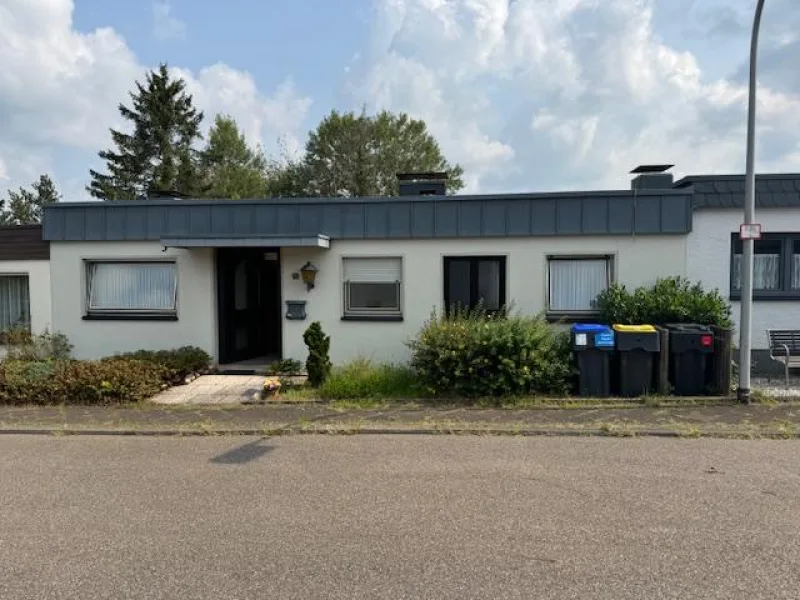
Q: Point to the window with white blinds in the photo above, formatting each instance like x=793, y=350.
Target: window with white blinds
x=14, y=302
x=372, y=286
x=576, y=283
x=132, y=287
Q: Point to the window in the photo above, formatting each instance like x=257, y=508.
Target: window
x=372, y=288
x=470, y=281
x=14, y=302
x=131, y=289
x=776, y=266
x=574, y=283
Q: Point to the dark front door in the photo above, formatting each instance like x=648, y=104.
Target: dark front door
x=249, y=297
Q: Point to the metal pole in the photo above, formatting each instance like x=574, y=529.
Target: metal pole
x=746, y=317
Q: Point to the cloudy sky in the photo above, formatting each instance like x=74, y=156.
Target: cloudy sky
x=525, y=94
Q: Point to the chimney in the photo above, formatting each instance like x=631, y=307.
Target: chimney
x=422, y=184
x=652, y=177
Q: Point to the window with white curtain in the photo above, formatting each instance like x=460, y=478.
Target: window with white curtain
x=132, y=287
x=575, y=283
x=14, y=302
x=776, y=266
x=372, y=287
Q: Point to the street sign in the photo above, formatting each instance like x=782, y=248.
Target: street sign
x=750, y=232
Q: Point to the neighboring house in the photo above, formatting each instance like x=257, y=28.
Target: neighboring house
x=24, y=279
x=227, y=275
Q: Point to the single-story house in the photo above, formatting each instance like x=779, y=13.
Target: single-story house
x=243, y=279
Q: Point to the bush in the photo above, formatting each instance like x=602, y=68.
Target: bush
x=670, y=300
x=286, y=366
x=110, y=381
x=178, y=363
x=475, y=354
x=318, y=364
x=23, y=345
x=361, y=379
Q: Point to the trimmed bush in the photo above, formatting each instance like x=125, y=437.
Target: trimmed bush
x=177, y=364
x=109, y=381
x=475, y=354
x=361, y=379
x=285, y=366
x=670, y=300
x=318, y=363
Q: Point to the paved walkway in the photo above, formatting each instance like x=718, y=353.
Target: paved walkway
x=213, y=389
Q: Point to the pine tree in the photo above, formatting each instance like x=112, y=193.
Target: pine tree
x=25, y=207
x=157, y=155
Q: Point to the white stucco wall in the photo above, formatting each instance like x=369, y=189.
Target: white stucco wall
x=38, y=272
x=638, y=261
x=709, y=247
x=197, y=315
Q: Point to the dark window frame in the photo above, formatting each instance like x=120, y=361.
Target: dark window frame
x=473, y=261
x=118, y=314
x=785, y=291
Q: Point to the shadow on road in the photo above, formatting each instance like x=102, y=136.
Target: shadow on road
x=243, y=454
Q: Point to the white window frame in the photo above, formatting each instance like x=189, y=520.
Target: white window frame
x=27, y=311
x=350, y=312
x=607, y=258
x=124, y=311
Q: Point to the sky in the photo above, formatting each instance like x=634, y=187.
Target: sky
x=527, y=95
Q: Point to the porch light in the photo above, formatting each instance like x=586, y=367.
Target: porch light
x=309, y=273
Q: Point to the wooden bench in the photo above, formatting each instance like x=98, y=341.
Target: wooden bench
x=784, y=346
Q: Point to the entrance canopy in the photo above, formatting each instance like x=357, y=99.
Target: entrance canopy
x=312, y=240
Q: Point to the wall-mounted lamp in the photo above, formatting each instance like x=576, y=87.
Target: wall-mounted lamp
x=309, y=274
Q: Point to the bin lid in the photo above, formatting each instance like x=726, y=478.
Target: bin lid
x=590, y=328
x=688, y=327
x=634, y=328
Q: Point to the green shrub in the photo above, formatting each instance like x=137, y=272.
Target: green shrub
x=23, y=345
x=177, y=363
x=362, y=379
x=318, y=364
x=109, y=381
x=475, y=354
x=286, y=366
x=670, y=300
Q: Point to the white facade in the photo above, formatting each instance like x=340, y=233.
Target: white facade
x=196, y=300
x=636, y=260
x=38, y=273
x=709, y=262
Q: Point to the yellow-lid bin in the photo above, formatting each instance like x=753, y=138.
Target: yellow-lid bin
x=634, y=328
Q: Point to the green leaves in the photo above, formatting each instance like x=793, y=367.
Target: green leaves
x=474, y=355
x=26, y=207
x=318, y=364
x=670, y=300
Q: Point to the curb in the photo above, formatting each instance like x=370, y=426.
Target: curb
x=289, y=431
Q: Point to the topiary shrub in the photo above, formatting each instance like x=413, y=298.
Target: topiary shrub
x=670, y=300
x=318, y=363
x=476, y=354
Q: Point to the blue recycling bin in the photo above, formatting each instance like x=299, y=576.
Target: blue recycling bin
x=593, y=344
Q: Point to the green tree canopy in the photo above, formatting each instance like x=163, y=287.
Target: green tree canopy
x=229, y=167
x=360, y=155
x=25, y=207
x=158, y=154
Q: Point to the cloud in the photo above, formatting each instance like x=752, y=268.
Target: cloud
x=564, y=94
x=60, y=89
x=165, y=25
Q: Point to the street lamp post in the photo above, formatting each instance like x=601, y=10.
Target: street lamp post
x=746, y=233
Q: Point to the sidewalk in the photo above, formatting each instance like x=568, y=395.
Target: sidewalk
x=731, y=420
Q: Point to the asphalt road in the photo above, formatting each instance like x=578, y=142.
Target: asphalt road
x=398, y=517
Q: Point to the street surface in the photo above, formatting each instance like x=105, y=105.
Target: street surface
x=399, y=516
